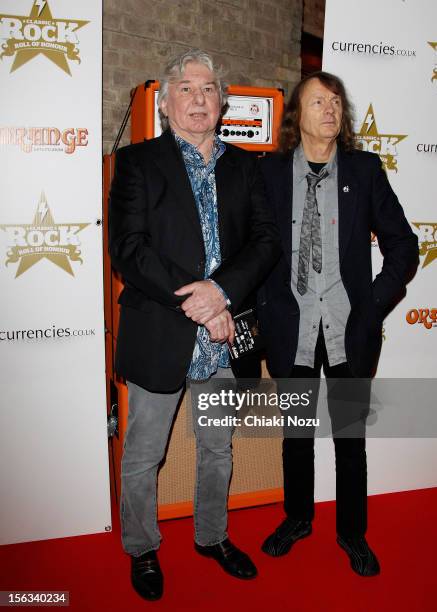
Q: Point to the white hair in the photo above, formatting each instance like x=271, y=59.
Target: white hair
x=175, y=70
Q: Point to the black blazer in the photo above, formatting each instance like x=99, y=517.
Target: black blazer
x=366, y=203
x=156, y=244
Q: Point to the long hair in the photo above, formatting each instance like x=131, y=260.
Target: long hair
x=289, y=133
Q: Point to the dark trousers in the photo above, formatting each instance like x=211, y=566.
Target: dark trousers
x=350, y=453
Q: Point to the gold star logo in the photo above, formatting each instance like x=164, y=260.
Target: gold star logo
x=27, y=37
x=434, y=73
x=427, y=241
x=369, y=139
x=43, y=238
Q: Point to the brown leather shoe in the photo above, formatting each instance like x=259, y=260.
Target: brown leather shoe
x=233, y=561
x=146, y=576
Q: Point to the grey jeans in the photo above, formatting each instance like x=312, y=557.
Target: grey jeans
x=149, y=421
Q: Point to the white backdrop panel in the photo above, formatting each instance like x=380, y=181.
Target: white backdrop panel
x=54, y=458
x=398, y=83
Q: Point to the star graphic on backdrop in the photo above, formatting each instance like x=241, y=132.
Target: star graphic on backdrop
x=55, y=50
x=59, y=245
x=427, y=240
x=434, y=74
x=385, y=143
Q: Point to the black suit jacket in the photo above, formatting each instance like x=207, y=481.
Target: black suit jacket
x=156, y=244
x=366, y=203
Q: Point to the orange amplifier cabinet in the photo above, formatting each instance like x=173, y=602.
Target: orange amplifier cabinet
x=116, y=391
x=251, y=121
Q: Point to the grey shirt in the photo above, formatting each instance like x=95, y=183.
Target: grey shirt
x=326, y=298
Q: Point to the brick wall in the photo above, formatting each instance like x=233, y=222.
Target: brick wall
x=256, y=41
x=314, y=17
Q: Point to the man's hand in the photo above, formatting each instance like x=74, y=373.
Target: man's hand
x=221, y=328
x=204, y=303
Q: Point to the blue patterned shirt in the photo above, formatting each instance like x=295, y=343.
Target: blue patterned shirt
x=207, y=356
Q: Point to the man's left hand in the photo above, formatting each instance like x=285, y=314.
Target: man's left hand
x=221, y=328
x=204, y=303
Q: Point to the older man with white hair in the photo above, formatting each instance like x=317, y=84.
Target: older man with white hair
x=192, y=236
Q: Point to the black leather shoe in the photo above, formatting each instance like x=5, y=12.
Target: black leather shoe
x=146, y=576
x=234, y=561
x=363, y=559
x=288, y=532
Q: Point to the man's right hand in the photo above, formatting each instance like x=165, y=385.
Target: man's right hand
x=221, y=328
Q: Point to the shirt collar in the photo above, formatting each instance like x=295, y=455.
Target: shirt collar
x=301, y=167
x=191, y=153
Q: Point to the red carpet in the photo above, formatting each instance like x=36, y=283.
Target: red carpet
x=314, y=577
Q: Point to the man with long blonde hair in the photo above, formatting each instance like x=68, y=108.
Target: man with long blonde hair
x=320, y=305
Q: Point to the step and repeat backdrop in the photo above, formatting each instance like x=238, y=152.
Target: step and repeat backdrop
x=53, y=456
x=386, y=54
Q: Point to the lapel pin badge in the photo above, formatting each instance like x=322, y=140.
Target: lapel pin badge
x=346, y=189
